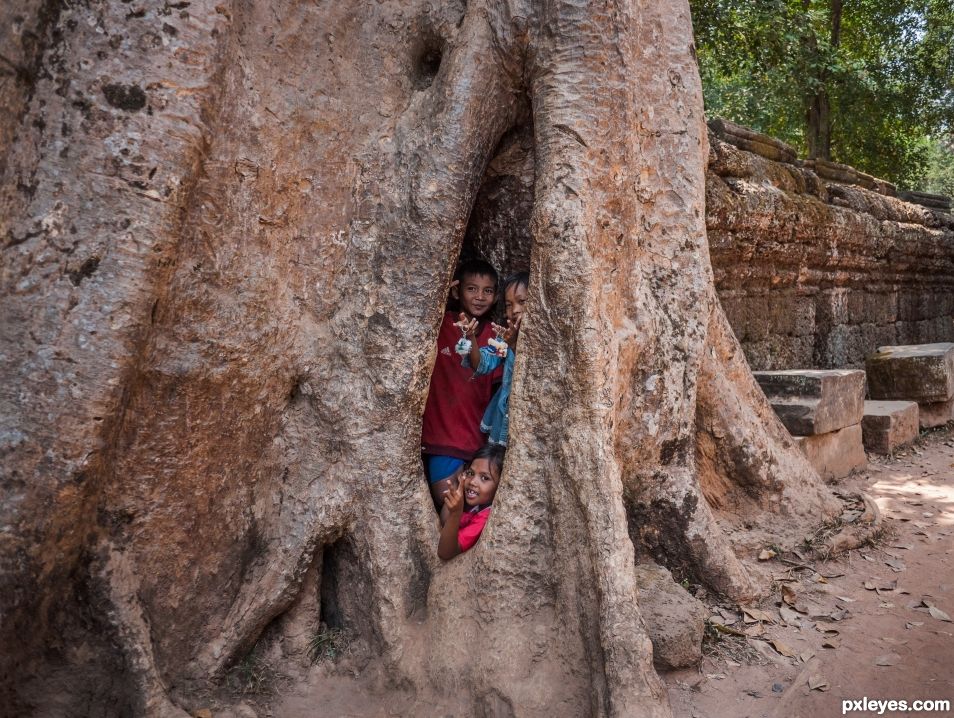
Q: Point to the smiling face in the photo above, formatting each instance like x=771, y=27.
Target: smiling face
x=480, y=483
x=515, y=298
x=476, y=294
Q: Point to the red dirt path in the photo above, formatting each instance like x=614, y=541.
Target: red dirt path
x=915, y=491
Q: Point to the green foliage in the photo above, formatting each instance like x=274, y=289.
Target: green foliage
x=885, y=67
x=940, y=172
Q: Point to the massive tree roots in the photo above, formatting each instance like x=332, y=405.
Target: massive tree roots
x=262, y=466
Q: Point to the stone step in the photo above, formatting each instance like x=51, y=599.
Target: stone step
x=888, y=425
x=935, y=413
x=836, y=454
x=918, y=372
x=815, y=401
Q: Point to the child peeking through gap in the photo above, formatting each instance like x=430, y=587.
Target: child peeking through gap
x=467, y=506
x=487, y=359
x=450, y=432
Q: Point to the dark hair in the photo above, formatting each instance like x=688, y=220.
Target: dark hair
x=494, y=453
x=518, y=279
x=477, y=268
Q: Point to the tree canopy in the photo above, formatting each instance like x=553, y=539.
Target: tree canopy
x=866, y=82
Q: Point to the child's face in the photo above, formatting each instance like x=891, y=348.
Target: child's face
x=480, y=483
x=514, y=300
x=476, y=293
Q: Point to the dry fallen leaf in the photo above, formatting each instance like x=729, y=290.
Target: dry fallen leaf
x=938, y=614
x=888, y=659
x=729, y=617
x=838, y=614
x=784, y=649
x=895, y=565
x=755, y=630
x=845, y=599
x=757, y=614
x=767, y=554
x=913, y=624
x=787, y=614
x=830, y=643
x=806, y=656
x=817, y=682
x=788, y=595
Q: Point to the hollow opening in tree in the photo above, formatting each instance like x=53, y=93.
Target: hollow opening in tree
x=498, y=229
x=426, y=59
x=499, y=226
x=346, y=589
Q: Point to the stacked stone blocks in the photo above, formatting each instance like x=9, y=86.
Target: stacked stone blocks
x=922, y=373
x=823, y=410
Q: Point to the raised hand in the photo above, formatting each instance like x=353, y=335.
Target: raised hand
x=454, y=498
x=467, y=325
x=507, y=333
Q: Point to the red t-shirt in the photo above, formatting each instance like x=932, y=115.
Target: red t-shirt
x=471, y=525
x=457, y=399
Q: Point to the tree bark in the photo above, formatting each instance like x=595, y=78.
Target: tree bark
x=818, y=115
x=230, y=233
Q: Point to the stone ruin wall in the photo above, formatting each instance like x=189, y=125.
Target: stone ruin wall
x=816, y=264
x=815, y=270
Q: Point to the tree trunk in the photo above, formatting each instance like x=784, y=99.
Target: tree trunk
x=819, y=125
x=818, y=115
x=229, y=233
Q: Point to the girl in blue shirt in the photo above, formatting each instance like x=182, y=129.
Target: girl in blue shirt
x=496, y=420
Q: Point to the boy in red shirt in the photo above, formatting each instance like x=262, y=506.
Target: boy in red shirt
x=450, y=434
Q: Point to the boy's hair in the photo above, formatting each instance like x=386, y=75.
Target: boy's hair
x=494, y=453
x=518, y=279
x=477, y=268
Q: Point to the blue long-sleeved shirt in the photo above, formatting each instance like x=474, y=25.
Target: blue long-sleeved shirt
x=496, y=420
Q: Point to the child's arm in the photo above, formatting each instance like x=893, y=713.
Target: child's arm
x=483, y=360
x=474, y=346
x=448, y=547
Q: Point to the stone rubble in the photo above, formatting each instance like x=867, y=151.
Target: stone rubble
x=674, y=618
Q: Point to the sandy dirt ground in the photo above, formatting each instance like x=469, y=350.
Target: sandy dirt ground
x=871, y=624
x=859, y=626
